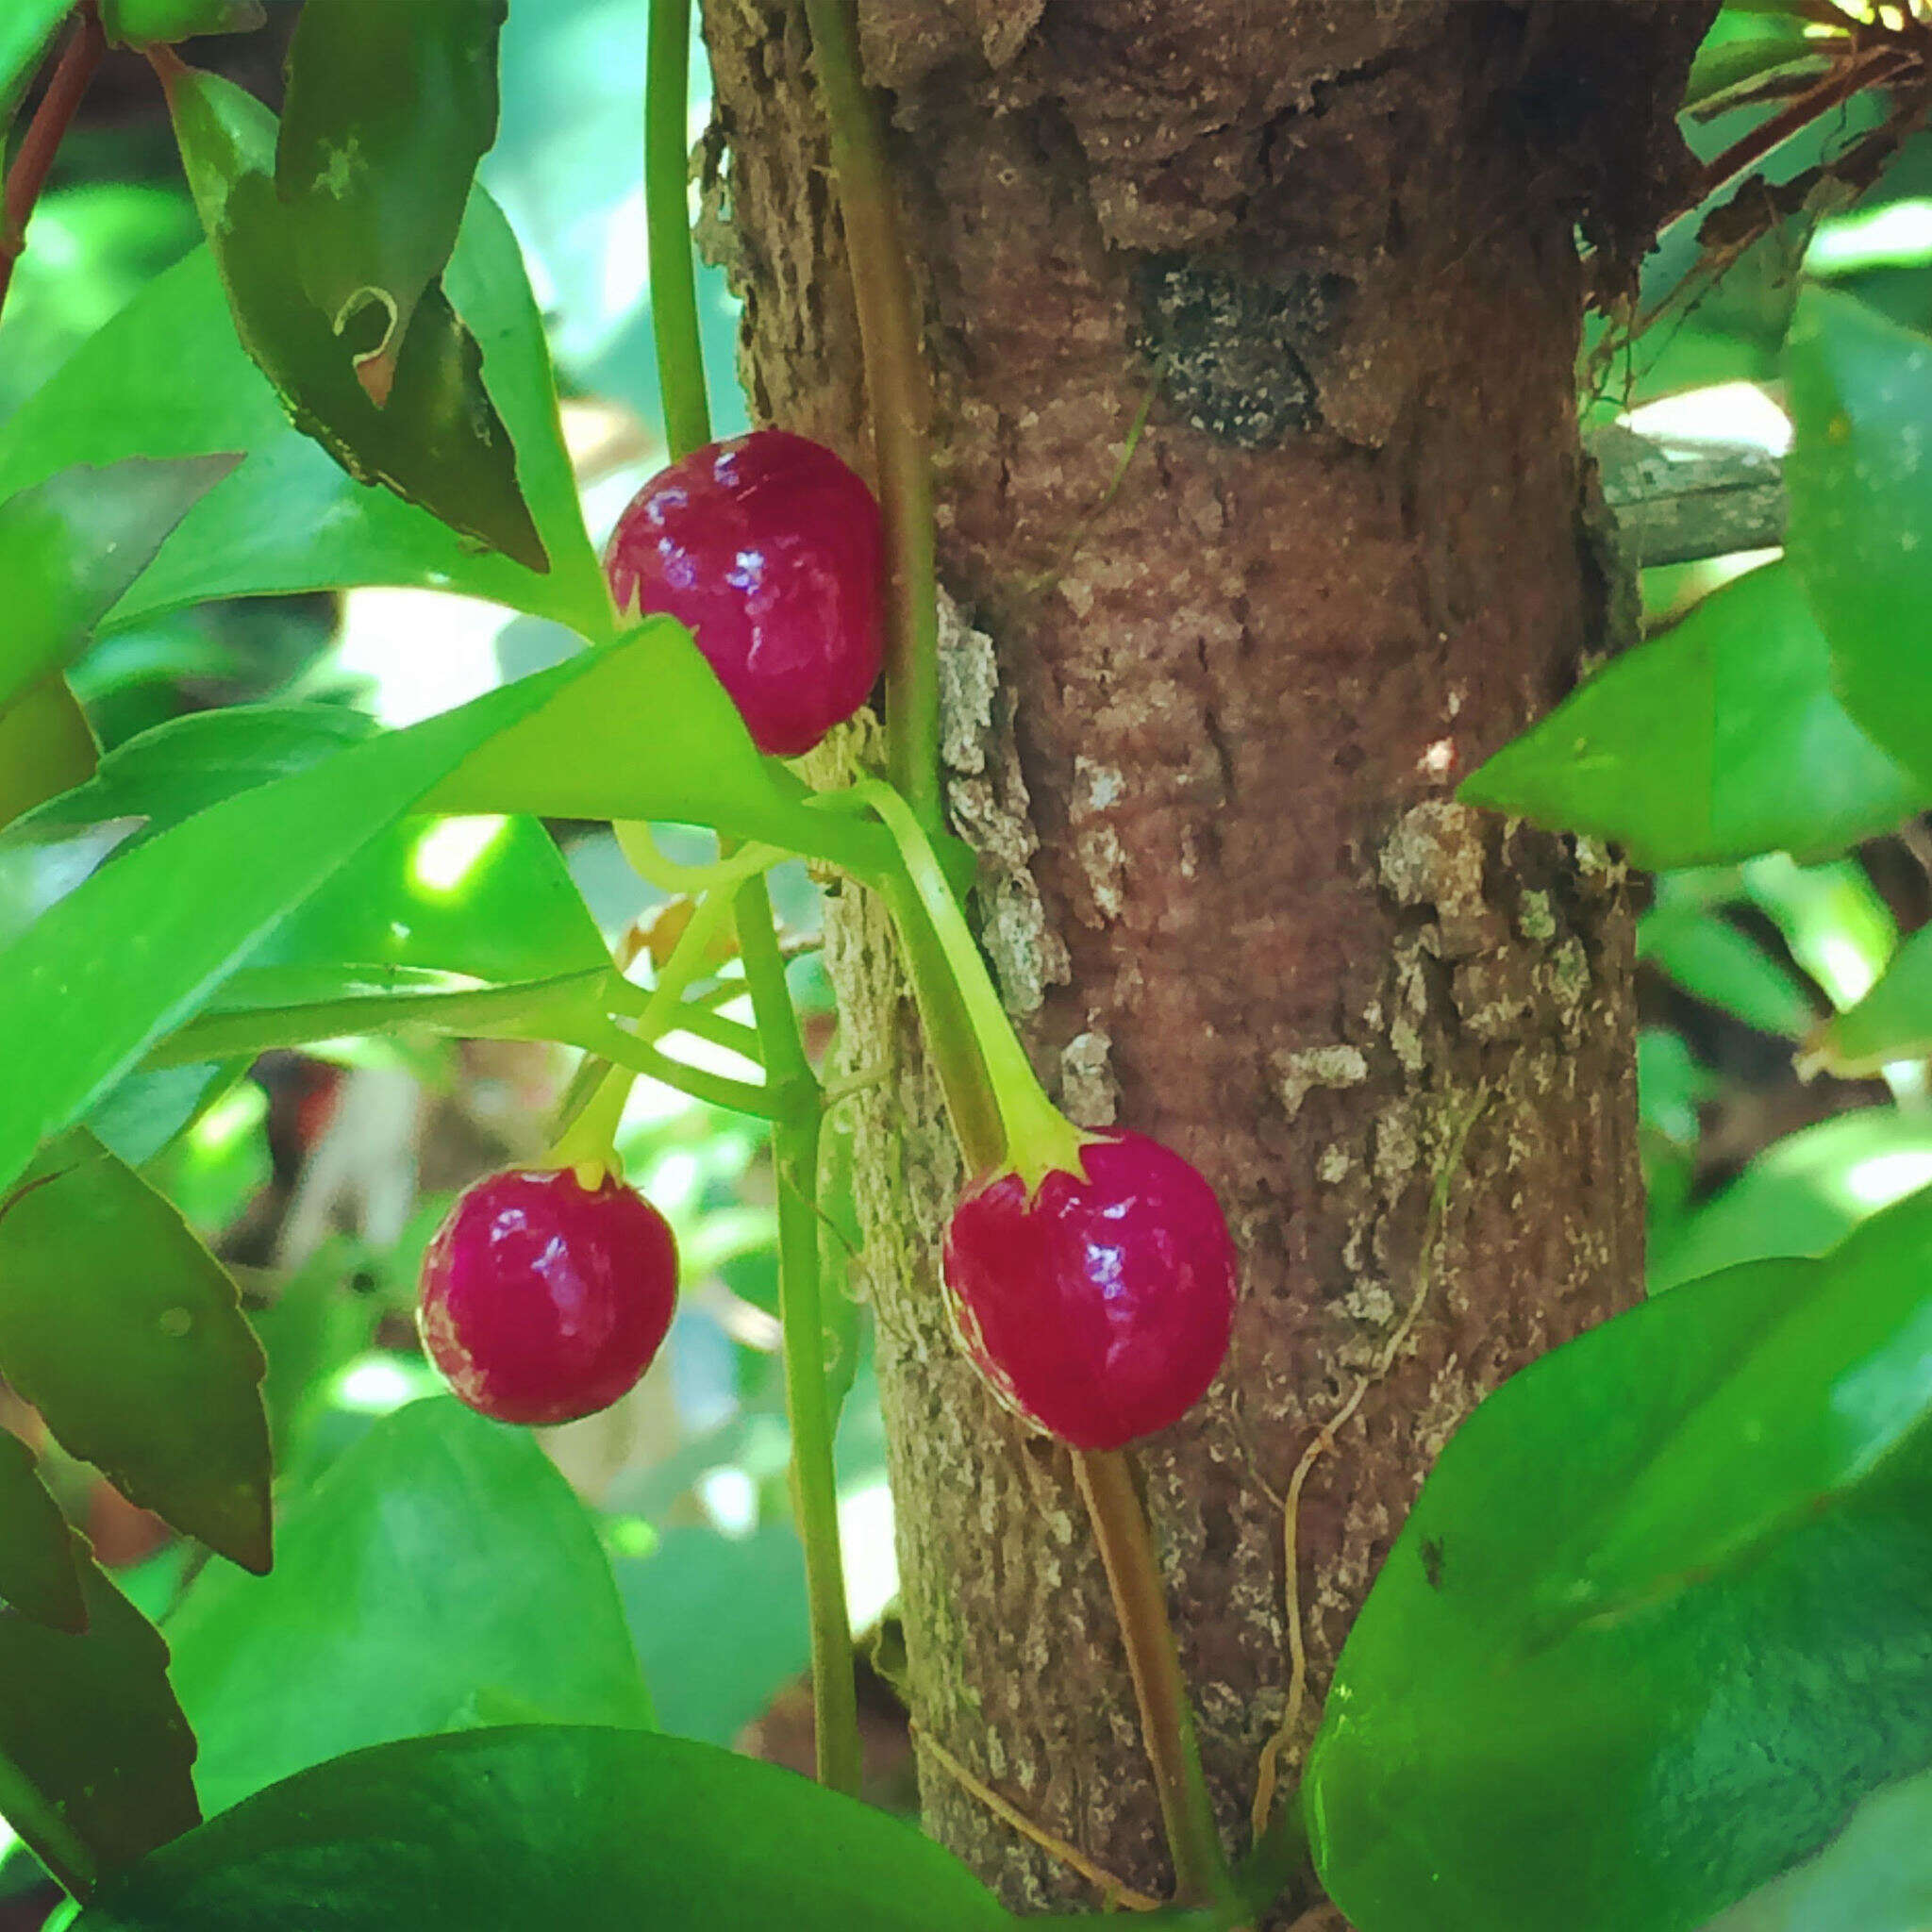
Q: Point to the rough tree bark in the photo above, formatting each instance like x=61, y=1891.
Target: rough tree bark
x=1212, y=684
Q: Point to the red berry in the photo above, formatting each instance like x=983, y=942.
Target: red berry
x=544, y=1300
x=1099, y=1310
x=768, y=550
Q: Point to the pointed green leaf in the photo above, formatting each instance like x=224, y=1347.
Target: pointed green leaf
x=1656, y=1623
x=1893, y=1022
x=38, y=1575
x=1719, y=739
x=46, y=745
x=25, y=27
x=600, y=1831
x=436, y=1522
x=388, y=110
x=1859, y=477
x=1717, y=961
x=161, y=23
x=127, y=1336
x=437, y=438
x=95, y=1753
x=69, y=546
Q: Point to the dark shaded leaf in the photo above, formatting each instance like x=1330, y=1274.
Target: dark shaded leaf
x=46, y=745
x=69, y=546
x=127, y=1336
x=95, y=1753
x=440, y=1575
x=1717, y=961
x=37, y=1573
x=388, y=110
x=1717, y=740
x=1859, y=477
x=600, y=1831
x=437, y=440
x=1656, y=1624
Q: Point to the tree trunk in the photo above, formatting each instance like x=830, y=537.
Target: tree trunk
x=1254, y=330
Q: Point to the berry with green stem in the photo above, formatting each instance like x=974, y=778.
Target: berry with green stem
x=544, y=1298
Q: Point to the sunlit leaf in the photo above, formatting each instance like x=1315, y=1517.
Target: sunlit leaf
x=388, y=110
x=1893, y=1022
x=127, y=1335
x=25, y=27
x=602, y=1830
x=1719, y=739
x=440, y=1575
x=1656, y=1623
x=38, y=1571
x=1859, y=476
x=95, y=1753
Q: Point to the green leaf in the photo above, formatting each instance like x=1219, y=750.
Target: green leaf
x=720, y=1624
x=1859, y=478
x=1656, y=1623
x=1874, y=1876
x=1802, y=1195
x=599, y=1830
x=166, y=377
x=69, y=546
x=95, y=1753
x=74, y=1016
x=37, y=1573
x=1718, y=740
x=127, y=1335
x=1893, y=1022
x=25, y=27
x=161, y=23
x=436, y=438
x=388, y=110
x=314, y=1326
x=440, y=1574
x=46, y=745
x=1837, y=926
x=1716, y=962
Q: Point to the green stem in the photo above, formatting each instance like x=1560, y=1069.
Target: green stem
x=1035, y=1135
x=895, y=377
x=624, y=1049
x=808, y=1402
x=591, y=1139
x=667, y=218
x=1202, y=1876
x=41, y=142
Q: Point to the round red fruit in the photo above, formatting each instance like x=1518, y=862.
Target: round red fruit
x=1100, y=1308
x=544, y=1300
x=768, y=550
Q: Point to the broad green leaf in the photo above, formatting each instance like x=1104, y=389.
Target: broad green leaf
x=720, y=1624
x=144, y=1113
x=75, y=1016
x=95, y=1753
x=599, y=1830
x=127, y=1335
x=1719, y=962
x=436, y=438
x=1874, y=1876
x=38, y=1571
x=1802, y=1195
x=440, y=1575
x=1893, y=1022
x=25, y=27
x=388, y=110
x=1656, y=1623
x=314, y=1326
x=151, y=23
x=69, y=546
x=166, y=377
x=1859, y=477
x=1837, y=926
x=46, y=745
x=1718, y=740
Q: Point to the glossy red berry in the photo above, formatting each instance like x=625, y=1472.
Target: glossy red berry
x=1100, y=1308
x=544, y=1300
x=768, y=550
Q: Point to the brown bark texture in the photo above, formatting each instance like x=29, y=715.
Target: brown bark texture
x=1263, y=520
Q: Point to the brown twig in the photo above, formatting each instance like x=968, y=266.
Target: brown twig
x=42, y=140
